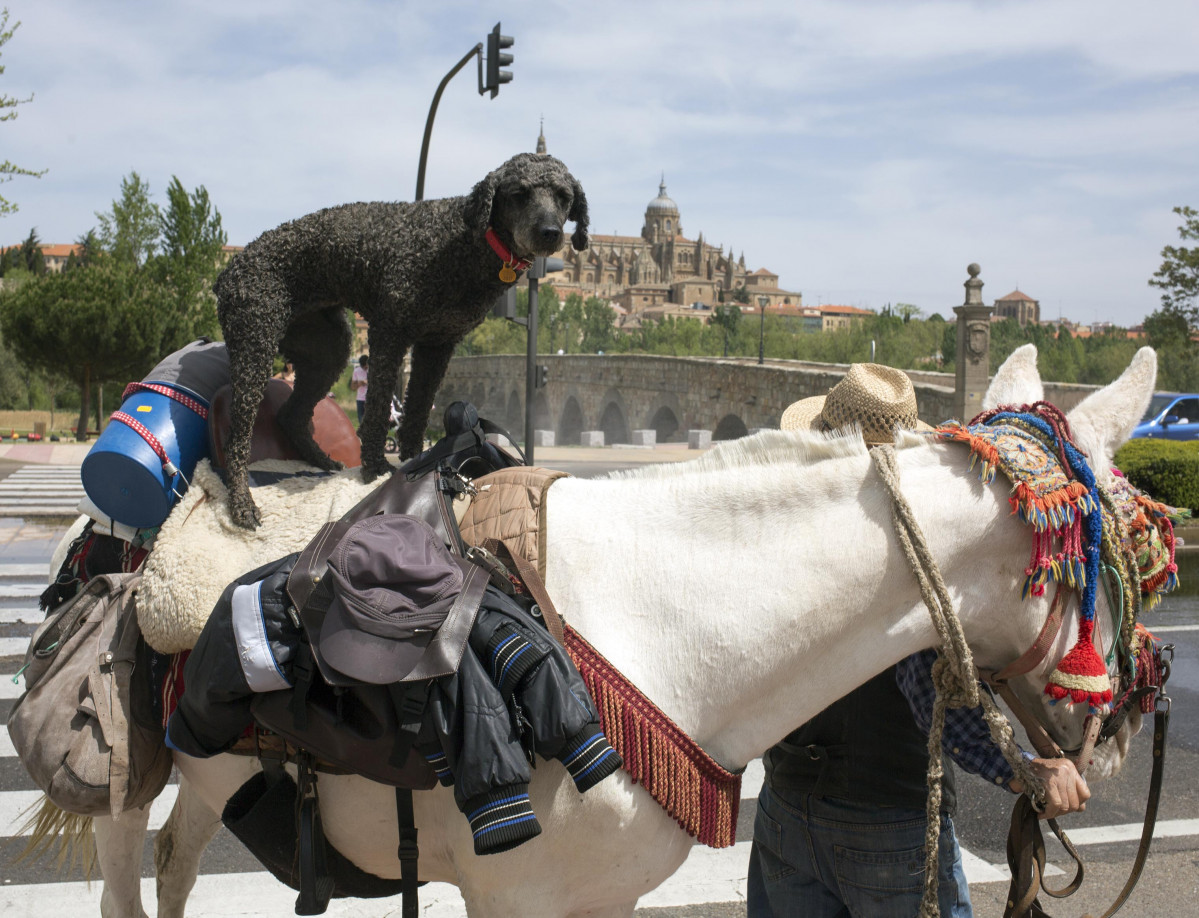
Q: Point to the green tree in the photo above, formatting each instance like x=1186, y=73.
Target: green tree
x=1178, y=276
x=193, y=240
x=599, y=326
x=571, y=320
x=8, y=106
x=30, y=256
x=130, y=231
x=88, y=251
x=549, y=306
x=727, y=318
x=102, y=324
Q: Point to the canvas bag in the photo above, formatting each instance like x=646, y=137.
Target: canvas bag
x=74, y=727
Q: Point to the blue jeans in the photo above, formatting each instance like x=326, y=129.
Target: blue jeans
x=360, y=404
x=822, y=857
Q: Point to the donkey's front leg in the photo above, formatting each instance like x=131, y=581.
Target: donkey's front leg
x=183, y=838
x=119, y=851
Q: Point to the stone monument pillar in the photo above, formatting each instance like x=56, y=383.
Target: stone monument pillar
x=973, y=349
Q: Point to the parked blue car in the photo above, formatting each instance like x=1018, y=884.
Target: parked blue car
x=1171, y=416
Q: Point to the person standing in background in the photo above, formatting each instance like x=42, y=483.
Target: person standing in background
x=358, y=384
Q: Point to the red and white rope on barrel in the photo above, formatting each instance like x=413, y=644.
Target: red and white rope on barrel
x=152, y=441
x=181, y=397
x=144, y=432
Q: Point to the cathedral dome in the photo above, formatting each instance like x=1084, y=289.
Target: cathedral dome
x=662, y=204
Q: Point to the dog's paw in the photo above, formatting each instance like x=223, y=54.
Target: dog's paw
x=329, y=465
x=244, y=514
x=373, y=470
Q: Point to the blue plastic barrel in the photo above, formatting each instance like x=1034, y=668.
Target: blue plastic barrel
x=124, y=476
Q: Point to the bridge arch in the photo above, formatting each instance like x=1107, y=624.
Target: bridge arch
x=730, y=427
x=614, y=425
x=541, y=412
x=570, y=422
x=514, y=415
x=614, y=417
x=665, y=424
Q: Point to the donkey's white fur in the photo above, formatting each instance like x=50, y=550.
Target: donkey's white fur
x=1016, y=382
x=743, y=593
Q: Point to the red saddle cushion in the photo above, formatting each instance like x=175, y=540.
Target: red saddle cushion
x=332, y=429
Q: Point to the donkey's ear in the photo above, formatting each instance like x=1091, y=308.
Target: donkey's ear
x=1105, y=419
x=1017, y=381
x=579, y=216
x=478, y=204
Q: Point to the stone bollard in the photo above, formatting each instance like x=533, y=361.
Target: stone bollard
x=699, y=439
x=591, y=438
x=543, y=438
x=500, y=440
x=645, y=437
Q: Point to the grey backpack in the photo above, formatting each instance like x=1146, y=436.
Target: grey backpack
x=74, y=728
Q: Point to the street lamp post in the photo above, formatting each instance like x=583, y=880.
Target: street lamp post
x=496, y=59
x=763, y=301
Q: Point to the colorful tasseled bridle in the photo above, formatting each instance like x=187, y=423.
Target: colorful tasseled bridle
x=1055, y=491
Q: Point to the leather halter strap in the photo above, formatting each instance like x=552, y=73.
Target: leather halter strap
x=1026, y=847
x=1045, y=745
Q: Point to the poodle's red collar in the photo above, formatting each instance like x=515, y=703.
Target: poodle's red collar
x=512, y=264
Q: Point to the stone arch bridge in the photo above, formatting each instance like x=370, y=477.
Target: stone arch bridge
x=618, y=394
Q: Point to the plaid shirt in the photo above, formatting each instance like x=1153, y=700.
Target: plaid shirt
x=966, y=740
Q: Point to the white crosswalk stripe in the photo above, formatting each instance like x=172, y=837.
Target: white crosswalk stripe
x=41, y=490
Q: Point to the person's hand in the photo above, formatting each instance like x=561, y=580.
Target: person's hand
x=1065, y=789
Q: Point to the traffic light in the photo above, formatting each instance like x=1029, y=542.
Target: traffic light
x=497, y=59
x=505, y=306
x=540, y=376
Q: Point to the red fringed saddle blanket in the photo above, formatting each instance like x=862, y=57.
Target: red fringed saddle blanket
x=688, y=783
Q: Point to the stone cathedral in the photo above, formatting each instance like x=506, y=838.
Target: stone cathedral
x=661, y=265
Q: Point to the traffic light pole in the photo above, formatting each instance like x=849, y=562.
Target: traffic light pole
x=531, y=356
x=476, y=51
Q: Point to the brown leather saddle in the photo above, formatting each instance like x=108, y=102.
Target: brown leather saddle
x=332, y=428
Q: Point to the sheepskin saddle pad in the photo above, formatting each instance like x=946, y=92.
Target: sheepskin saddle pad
x=199, y=551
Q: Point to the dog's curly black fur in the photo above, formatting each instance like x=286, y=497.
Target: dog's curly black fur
x=421, y=274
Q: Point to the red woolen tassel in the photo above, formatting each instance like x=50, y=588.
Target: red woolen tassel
x=1080, y=675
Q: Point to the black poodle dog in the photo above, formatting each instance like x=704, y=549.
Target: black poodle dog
x=422, y=275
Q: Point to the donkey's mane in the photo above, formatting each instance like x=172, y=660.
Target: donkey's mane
x=770, y=447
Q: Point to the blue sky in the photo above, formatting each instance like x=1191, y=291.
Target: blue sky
x=864, y=151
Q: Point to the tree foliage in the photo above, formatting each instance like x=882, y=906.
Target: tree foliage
x=123, y=302
x=101, y=324
x=1172, y=329
x=8, y=111
x=192, y=241
x=131, y=229
x=1178, y=276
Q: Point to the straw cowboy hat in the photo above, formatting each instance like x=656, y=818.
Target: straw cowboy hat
x=880, y=399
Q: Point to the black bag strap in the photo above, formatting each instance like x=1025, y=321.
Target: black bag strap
x=316, y=884
x=409, y=699
x=409, y=853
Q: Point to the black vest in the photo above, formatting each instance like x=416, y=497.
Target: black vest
x=865, y=747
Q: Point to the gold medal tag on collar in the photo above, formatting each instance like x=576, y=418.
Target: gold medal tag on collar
x=507, y=275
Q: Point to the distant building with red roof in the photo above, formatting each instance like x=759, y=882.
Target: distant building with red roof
x=1019, y=306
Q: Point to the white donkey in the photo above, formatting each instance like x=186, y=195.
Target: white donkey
x=742, y=592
